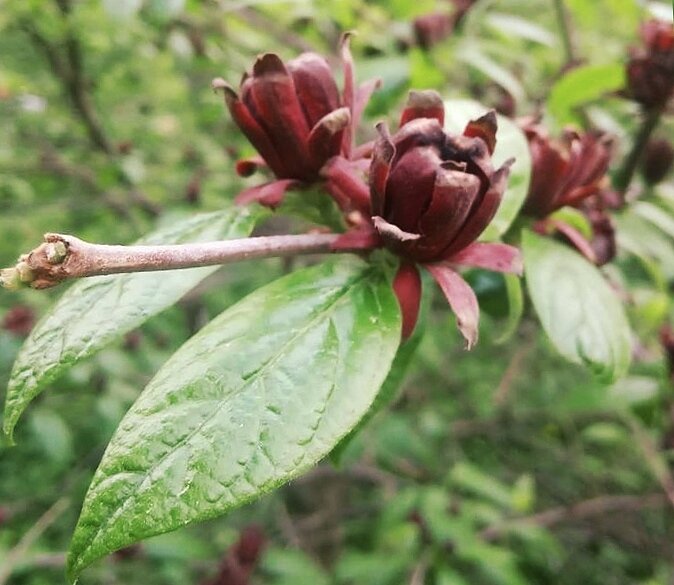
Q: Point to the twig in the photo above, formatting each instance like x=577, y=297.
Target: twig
x=14, y=556
x=655, y=462
x=418, y=576
x=580, y=511
x=564, y=20
x=625, y=174
x=63, y=257
x=69, y=69
x=512, y=371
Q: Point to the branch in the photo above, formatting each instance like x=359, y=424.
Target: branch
x=625, y=174
x=565, y=28
x=63, y=257
x=16, y=555
x=579, y=511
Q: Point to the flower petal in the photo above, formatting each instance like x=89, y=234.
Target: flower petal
x=575, y=237
x=363, y=237
x=484, y=127
x=413, y=177
x=453, y=197
x=346, y=185
x=269, y=194
x=349, y=91
x=272, y=93
x=249, y=126
x=382, y=155
x=245, y=167
x=423, y=104
x=316, y=88
x=496, y=257
x=461, y=299
x=479, y=218
x=325, y=138
x=407, y=288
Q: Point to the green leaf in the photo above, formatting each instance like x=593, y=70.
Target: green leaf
x=96, y=311
x=576, y=219
x=259, y=395
x=510, y=142
x=581, y=86
x=578, y=309
x=511, y=25
x=471, y=54
x=513, y=285
x=655, y=215
x=396, y=376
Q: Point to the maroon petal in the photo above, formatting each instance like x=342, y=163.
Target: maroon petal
x=453, y=196
x=274, y=97
x=484, y=127
x=407, y=288
x=382, y=155
x=575, y=237
x=349, y=91
x=249, y=126
x=496, y=257
x=316, y=88
x=325, y=138
x=269, y=194
x=345, y=183
x=413, y=180
x=363, y=237
x=461, y=299
x=363, y=151
x=479, y=218
x=392, y=233
x=245, y=167
x=362, y=96
x=423, y=104
x=550, y=168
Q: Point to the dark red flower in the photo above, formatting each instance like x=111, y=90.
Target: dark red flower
x=571, y=172
x=19, y=320
x=432, y=195
x=432, y=28
x=657, y=160
x=296, y=118
x=564, y=172
x=650, y=69
x=241, y=559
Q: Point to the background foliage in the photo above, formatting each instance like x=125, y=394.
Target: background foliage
x=504, y=466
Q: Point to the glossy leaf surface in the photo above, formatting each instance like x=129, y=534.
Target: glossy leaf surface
x=96, y=311
x=578, y=309
x=262, y=393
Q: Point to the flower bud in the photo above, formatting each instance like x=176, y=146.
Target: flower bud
x=433, y=194
x=656, y=160
x=19, y=320
x=566, y=171
x=650, y=69
x=295, y=117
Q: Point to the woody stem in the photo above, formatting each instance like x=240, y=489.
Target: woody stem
x=64, y=257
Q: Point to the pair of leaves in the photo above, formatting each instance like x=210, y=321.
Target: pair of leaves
x=579, y=311
x=259, y=395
